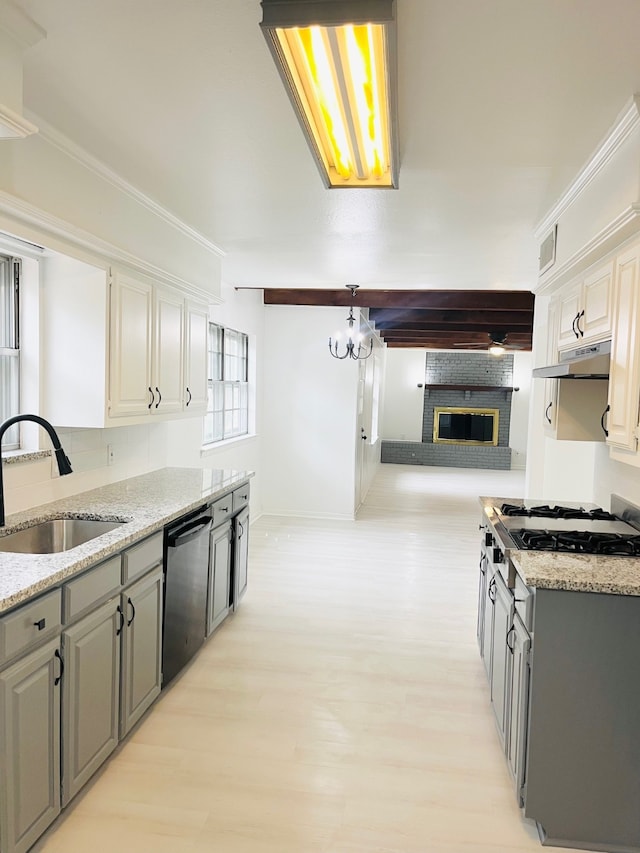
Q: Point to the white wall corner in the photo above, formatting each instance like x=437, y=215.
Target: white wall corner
x=625, y=123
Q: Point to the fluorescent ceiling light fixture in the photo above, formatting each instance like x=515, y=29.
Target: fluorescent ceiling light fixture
x=337, y=59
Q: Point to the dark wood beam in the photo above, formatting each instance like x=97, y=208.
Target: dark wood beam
x=452, y=344
x=468, y=336
x=496, y=300
x=466, y=325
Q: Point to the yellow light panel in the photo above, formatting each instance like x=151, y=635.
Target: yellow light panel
x=341, y=83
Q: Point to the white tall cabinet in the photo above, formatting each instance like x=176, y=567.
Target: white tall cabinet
x=624, y=381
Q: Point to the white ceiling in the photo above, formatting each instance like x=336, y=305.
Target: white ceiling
x=501, y=103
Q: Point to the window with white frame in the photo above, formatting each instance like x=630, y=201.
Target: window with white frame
x=228, y=391
x=9, y=347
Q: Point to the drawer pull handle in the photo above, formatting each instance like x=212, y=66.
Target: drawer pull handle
x=224, y=509
x=190, y=395
x=159, y=396
x=59, y=677
x=122, y=621
x=152, y=397
x=491, y=592
x=40, y=624
x=509, y=646
x=133, y=611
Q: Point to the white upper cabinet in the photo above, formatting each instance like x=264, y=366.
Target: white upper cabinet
x=624, y=379
x=585, y=309
x=195, y=363
x=130, y=369
x=168, y=351
x=173, y=379
x=118, y=348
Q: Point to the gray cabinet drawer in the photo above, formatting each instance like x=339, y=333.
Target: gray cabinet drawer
x=140, y=558
x=221, y=509
x=90, y=588
x=240, y=497
x=29, y=624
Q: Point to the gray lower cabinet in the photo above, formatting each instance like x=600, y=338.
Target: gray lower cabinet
x=218, y=592
x=487, y=607
x=240, y=554
x=90, y=702
x=141, y=675
x=519, y=645
x=503, y=611
x=482, y=599
x=30, y=747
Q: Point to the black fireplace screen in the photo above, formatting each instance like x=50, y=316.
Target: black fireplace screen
x=465, y=426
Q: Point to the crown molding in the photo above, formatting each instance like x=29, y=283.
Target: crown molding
x=46, y=224
x=626, y=122
x=20, y=26
x=58, y=140
x=622, y=228
x=13, y=125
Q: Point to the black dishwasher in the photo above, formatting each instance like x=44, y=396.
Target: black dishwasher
x=186, y=567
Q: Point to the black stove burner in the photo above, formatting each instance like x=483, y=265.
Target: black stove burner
x=577, y=542
x=547, y=511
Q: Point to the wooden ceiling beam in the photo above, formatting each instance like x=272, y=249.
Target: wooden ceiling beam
x=496, y=300
x=463, y=325
x=451, y=344
x=469, y=335
x=461, y=316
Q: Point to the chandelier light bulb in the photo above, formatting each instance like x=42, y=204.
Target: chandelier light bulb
x=353, y=347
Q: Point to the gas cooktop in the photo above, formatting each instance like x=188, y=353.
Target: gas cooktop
x=547, y=511
x=568, y=528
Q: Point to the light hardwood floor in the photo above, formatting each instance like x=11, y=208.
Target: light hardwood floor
x=344, y=709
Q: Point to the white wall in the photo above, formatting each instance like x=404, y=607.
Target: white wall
x=613, y=190
x=309, y=415
x=612, y=477
x=519, y=428
x=64, y=200
x=403, y=401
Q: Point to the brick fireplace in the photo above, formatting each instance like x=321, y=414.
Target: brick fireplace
x=464, y=381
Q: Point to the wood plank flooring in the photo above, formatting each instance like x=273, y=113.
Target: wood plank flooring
x=343, y=709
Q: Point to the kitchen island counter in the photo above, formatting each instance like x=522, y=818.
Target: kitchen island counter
x=146, y=503
x=614, y=575
x=578, y=572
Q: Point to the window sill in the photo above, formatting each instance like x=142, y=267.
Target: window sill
x=211, y=449
x=12, y=457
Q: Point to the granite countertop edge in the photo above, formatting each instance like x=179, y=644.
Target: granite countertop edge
x=571, y=572
x=146, y=503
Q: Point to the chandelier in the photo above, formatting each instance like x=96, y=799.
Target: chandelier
x=353, y=347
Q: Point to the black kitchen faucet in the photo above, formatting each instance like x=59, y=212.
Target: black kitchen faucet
x=64, y=466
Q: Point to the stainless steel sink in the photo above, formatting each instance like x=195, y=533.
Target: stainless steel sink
x=55, y=534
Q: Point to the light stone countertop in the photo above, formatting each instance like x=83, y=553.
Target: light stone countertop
x=576, y=572
x=147, y=503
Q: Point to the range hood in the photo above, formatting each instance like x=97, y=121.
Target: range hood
x=588, y=362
